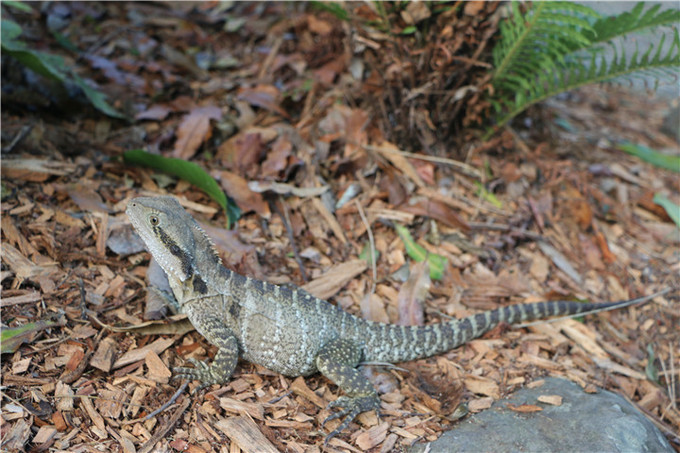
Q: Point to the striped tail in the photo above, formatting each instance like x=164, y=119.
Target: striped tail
x=393, y=343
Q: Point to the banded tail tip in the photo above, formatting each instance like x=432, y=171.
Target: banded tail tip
x=606, y=306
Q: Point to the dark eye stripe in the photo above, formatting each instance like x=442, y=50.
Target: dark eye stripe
x=187, y=267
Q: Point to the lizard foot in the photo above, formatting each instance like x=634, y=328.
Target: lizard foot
x=202, y=372
x=350, y=408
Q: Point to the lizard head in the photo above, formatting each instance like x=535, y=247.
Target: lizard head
x=168, y=232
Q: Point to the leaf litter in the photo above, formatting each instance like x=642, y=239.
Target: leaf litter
x=536, y=213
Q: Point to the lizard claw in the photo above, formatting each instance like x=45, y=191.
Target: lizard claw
x=350, y=408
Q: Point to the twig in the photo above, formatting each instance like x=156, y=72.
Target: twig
x=270, y=58
x=462, y=167
x=148, y=446
x=23, y=132
x=279, y=398
x=163, y=407
x=370, y=241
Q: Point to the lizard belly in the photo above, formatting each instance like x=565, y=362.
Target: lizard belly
x=284, y=349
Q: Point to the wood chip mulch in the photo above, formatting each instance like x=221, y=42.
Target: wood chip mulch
x=565, y=216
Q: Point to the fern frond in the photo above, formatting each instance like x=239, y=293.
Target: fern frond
x=555, y=47
x=607, y=28
x=550, y=82
x=555, y=27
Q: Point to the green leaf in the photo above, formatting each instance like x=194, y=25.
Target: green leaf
x=367, y=256
x=651, y=156
x=51, y=66
x=332, y=7
x=651, y=370
x=18, y=5
x=488, y=196
x=12, y=338
x=10, y=30
x=408, y=30
x=672, y=209
x=97, y=98
x=437, y=263
x=188, y=171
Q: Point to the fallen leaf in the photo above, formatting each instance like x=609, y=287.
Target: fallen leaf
x=412, y=295
x=156, y=112
x=194, y=130
x=87, y=199
x=265, y=96
x=393, y=154
x=435, y=209
x=335, y=278
x=473, y=8
x=246, y=199
x=242, y=153
x=277, y=158
x=318, y=26
x=34, y=170
x=285, y=189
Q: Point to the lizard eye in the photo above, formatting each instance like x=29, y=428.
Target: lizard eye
x=153, y=220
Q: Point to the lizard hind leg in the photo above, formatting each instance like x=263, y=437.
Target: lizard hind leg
x=218, y=372
x=337, y=361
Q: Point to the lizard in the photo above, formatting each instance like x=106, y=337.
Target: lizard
x=292, y=332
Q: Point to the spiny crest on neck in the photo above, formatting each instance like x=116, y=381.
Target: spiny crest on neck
x=207, y=243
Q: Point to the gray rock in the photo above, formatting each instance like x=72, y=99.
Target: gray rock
x=601, y=422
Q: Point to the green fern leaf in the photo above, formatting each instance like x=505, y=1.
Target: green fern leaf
x=552, y=47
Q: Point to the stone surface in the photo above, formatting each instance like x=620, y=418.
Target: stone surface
x=603, y=421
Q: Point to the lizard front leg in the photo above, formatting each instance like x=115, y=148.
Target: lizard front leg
x=222, y=367
x=337, y=361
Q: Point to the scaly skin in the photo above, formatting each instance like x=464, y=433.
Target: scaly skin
x=288, y=330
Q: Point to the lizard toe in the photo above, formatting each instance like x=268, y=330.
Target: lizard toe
x=350, y=408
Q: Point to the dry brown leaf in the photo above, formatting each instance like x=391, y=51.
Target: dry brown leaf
x=265, y=96
x=156, y=112
x=393, y=154
x=35, y=170
x=473, y=8
x=373, y=308
x=242, y=153
x=87, y=198
x=412, y=295
x=435, y=209
x=335, y=278
x=285, y=189
x=194, y=130
x=318, y=26
x=330, y=219
x=246, y=199
x=277, y=158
